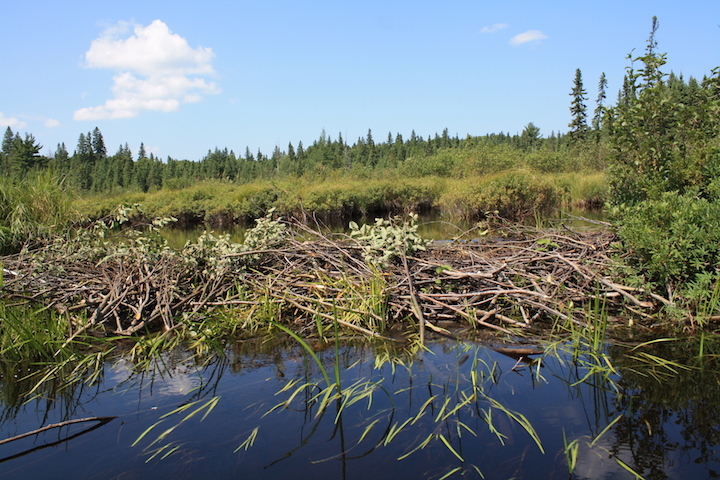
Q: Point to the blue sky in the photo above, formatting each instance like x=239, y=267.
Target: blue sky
x=185, y=77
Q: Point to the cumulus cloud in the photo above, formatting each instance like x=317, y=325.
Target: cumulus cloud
x=51, y=123
x=157, y=70
x=529, y=36
x=12, y=122
x=493, y=28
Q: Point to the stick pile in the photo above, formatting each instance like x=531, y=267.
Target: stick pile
x=517, y=280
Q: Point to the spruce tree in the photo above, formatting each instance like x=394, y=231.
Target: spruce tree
x=597, y=118
x=578, y=110
x=7, y=142
x=98, y=144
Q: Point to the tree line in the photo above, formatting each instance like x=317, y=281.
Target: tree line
x=90, y=167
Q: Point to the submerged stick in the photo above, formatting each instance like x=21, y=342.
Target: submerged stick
x=58, y=425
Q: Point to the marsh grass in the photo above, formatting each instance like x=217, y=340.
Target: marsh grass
x=672, y=372
x=38, y=362
x=157, y=449
x=515, y=191
x=354, y=300
x=32, y=209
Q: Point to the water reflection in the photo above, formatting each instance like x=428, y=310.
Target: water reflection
x=265, y=410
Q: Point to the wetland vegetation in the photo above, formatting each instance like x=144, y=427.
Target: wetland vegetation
x=373, y=342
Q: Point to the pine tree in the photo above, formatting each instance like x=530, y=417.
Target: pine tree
x=7, y=142
x=83, y=162
x=445, y=139
x=578, y=110
x=98, y=144
x=128, y=166
x=597, y=118
x=529, y=137
x=371, y=158
x=24, y=155
x=141, y=152
x=60, y=159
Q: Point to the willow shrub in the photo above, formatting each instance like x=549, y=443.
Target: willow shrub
x=488, y=159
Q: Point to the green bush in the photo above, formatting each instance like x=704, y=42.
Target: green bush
x=442, y=164
x=663, y=177
x=488, y=159
x=673, y=239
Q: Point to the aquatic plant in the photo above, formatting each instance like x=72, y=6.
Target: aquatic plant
x=445, y=403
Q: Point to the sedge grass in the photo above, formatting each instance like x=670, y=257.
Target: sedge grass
x=33, y=208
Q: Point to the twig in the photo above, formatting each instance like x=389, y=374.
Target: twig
x=57, y=425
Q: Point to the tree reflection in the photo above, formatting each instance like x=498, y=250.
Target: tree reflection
x=670, y=405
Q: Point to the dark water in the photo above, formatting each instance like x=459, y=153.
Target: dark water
x=664, y=419
x=432, y=227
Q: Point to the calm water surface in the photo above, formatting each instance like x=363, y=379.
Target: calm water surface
x=459, y=407
x=433, y=227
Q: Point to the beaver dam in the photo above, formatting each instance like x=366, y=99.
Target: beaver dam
x=380, y=277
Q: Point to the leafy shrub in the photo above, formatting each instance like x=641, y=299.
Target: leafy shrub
x=672, y=239
x=486, y=159
x=388, y=239
x=547, y=161
x=663, y=177
x=442, y=164
x=218, y=255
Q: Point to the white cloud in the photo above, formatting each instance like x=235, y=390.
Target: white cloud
x=12, y=122
x=493, y=28
x=51, y=123
x=529, y=36
x=158, y=70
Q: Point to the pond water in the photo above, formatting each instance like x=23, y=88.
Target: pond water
x=430, y=226
x=265, y=410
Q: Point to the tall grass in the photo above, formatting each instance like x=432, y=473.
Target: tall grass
x=32, y=209
x=38, y=362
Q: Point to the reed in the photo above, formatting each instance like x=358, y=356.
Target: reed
x=191, y=409
x=39, y=362
x=33, y=209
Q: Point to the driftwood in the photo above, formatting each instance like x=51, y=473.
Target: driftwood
x=519, y=279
